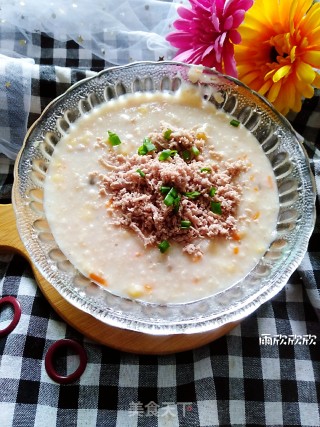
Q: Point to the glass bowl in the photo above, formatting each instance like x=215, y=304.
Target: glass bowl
x=280, y=143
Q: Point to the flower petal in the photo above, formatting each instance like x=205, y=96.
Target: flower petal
x=201, y=5
x=231, y=7
x=222, y=39
x=311, y=19
x=265, y=87
x=181, y=24
x=281, y=73
x=255, y=22
x=249, y=34
x=238, y=18
x=312, y=57
x=215, y=22
x=185, y=13
x=274, y=91
x=305, y=72
x=217, y=49
x=228, y=59
x=292, y=93
x=228, y=23
x=250, y=77
x=211, y=61
x=208, y=51
x=234, y=36
x=189, y=56
x=180, y=39
x=316, y=81
x=293, y=54
x=302, y=10
x=268, y=11
x=314, y=37
x=305, y=90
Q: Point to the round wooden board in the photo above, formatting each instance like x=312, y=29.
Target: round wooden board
x=120, y=339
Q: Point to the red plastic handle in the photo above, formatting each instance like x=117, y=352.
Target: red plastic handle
x=16, y=314
x=49, y=358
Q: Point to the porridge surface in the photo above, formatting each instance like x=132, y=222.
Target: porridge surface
x=115, y=256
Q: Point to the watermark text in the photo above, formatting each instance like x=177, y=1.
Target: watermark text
x=153, y=409
x=281, y=339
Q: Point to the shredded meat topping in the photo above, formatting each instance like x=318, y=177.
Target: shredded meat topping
x=206, y=192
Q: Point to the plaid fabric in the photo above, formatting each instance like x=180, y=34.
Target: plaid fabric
x=241, y=379
x=15, y=77
x=233, y=381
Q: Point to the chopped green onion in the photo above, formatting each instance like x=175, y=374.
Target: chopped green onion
x=164, y=189
x=185, y=224
x=215, y=207
x=205, y=170
x=176, y=204
x=141, y=173
x=164, y=246
x=235, y=123
x=146, y=147
x=169, y=200
x=172, y=198
x=113, y=138
x=192, y=194
x=165, y=154
x=167, y=134
x=186, y=155
x=142, y=150
x=195, y=151
x=174, y=192
x=212, y=191
x=148, y=143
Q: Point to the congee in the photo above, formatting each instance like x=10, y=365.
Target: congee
x=161, y=197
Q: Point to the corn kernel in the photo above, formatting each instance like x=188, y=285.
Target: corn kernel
x=201, y=135
x=256, y=215
x=142, y=110
x=135, y=291
x=57, y=178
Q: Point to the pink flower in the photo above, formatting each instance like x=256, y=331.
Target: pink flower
x=208, y=31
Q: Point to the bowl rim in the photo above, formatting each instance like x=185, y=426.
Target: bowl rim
x=205, y=325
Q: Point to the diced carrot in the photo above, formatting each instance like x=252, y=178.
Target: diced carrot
x=96, y=278
x=236, y=236
x=148, y=288
x=270, y=181
x=236, y=250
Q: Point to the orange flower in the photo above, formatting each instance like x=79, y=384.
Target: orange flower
x=280, y=50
